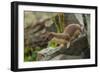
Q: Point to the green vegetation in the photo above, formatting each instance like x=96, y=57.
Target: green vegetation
x=59, y=23
x=52, y=44
x=30, y=54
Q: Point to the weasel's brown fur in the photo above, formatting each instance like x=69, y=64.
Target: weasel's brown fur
x=71, y=32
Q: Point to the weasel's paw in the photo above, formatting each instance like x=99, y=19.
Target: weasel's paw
x=68, y=45
x=61, y=46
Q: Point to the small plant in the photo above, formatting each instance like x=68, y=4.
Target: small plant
x=52, y=44
x=59, y=23
x=31, y=55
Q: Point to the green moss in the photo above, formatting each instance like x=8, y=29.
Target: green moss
x=52, y=43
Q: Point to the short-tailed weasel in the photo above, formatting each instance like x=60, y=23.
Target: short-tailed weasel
x=71, y=32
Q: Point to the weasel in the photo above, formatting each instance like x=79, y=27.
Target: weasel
x=71, y=32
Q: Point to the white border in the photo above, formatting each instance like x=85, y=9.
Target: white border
x=22, y=64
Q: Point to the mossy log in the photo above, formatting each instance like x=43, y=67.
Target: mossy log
x=63, y=57
x=78, y=47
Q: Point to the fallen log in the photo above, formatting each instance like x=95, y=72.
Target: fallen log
x=76, y=49
x=48, y=53
x=65, y=57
